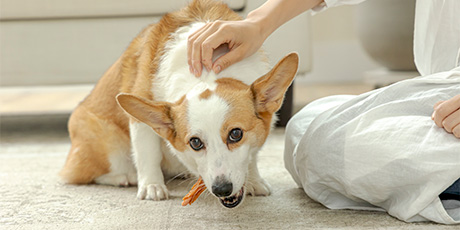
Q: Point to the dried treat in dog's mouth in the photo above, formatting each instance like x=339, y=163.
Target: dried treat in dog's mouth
x=194, y=193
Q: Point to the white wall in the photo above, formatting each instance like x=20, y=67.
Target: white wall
x=337, y=54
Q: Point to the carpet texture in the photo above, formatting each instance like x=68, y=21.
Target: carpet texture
x=33, y=198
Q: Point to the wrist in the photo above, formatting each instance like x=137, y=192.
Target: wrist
x=262, y=22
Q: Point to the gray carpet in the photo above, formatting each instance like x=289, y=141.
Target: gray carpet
x=33, y=198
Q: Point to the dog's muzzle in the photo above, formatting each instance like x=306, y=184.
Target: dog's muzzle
x=223, y=190
x=233, y=201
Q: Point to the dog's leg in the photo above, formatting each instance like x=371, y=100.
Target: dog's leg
x=100, y=152
x=147, y=154
x=256, y=185
x=122, y=171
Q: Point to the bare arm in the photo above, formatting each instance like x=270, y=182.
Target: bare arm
x=274, y=13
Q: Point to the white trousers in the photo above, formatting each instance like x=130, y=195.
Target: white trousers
x=379, y=150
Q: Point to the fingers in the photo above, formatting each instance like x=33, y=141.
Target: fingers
x=242, y=37
x=451, y=121
x=456, y=131
x=447, y=115
x=212, y=43
x=235, y=55
x=434, y=109
x=444, y=109
x=437, y=104
x=201, y=45
x=191, y=39
x=194, y=50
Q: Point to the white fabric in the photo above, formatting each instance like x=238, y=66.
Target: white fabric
x=381, y=150
x=333, y=3
x=437, y=36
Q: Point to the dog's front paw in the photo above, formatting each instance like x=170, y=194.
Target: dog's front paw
x=258, y=187
x=152, y=192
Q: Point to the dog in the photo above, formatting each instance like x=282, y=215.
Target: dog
x=148, y=118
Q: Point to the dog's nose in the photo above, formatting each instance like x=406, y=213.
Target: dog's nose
x=222, y=188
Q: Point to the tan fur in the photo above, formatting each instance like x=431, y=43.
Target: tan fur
x=206, y=94
x=167, y=119
x=242, y=112
x=98, y=125
x=252, y=107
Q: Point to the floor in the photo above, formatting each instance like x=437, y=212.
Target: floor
x=34, y=145
x=33, y=198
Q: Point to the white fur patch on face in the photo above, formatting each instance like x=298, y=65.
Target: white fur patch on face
x=201, y=87
x=206, y=116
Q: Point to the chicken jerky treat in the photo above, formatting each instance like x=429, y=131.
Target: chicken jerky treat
x=194, y=193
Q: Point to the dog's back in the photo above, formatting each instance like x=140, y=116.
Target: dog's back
x=99, y=129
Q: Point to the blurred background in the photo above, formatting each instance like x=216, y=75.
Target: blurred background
x=52, y=52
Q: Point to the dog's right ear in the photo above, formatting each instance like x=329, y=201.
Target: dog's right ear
x=156, y=115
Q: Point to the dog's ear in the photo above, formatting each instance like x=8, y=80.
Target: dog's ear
x=269, y=89
x=156, y=115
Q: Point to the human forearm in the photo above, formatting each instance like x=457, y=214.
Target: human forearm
x=274, y=13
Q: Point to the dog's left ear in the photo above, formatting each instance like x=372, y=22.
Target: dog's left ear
x=269, y=89
x=156, y=115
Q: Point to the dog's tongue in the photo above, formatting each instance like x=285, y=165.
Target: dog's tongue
x=194, y=193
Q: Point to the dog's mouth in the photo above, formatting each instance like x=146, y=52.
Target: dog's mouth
x=232, y=201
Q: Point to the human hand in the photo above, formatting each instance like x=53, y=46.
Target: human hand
x=447, y=115
x=243, y=38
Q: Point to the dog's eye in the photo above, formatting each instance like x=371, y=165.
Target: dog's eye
x=235, y=135
x=196, y=143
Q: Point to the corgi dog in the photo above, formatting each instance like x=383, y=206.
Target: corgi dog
x=148, y=118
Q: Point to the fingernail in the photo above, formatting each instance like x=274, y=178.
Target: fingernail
x=217, y=69
x=190, y=69
x=196, y=73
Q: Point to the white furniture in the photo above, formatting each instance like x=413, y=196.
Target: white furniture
x=386, y=31
x=61, y=42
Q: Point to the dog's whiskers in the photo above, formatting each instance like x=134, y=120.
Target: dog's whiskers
x=190, y=181
x=182, y=175
x=206, y=194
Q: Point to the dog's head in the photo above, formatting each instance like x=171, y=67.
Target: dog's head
x=217, y=132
